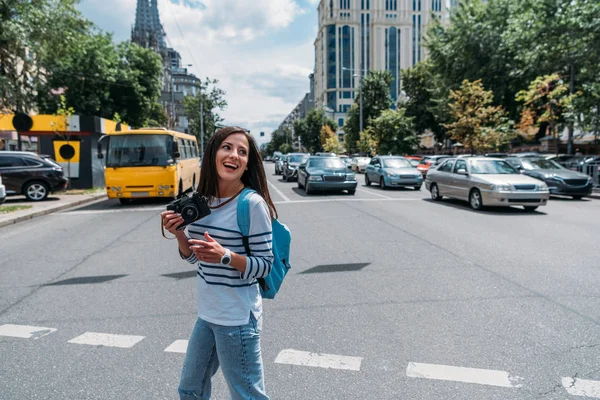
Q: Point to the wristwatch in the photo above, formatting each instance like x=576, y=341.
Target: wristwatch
x=226, y=259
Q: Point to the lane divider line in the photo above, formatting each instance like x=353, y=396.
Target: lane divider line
x=279, y=192
x=178, y=346
x=107, y=340
x=462, y=374
x=374, y=194
x=305, y=358
x=582, y=387
x=25, y=331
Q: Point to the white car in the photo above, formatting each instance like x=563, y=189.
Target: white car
x=359, y=164
x=2, y=191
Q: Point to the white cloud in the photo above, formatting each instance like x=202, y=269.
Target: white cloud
x=229, y=40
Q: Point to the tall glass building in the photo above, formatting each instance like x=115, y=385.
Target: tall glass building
x=358, y=36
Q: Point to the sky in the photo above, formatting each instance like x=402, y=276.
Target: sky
x=261, y=51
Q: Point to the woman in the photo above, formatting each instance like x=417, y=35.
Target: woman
x=227, y=331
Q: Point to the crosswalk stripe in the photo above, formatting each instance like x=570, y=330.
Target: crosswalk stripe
x=305, y=358
x=25, y=331
x=582, y=387
x=462, y=374
x=107, y=339
x=178, y=346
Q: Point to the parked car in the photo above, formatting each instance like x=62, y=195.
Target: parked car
x=291, y=163
x=414, y=160
x=325, y=173
x=359, y=164
x=2, y=191
x=559, y=179
x=486, y=181
x=276, y=156
x=428, y=162
x=279, y=164
x=348, y=161
x=25, y=173
x=394, y=171
x=322, y=154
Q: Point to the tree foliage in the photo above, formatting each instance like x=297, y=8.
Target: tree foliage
x=392, y=133
x=476, y=122
x=213, y=100
x=309, y=129
x=376, y=95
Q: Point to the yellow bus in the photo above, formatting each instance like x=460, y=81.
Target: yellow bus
x=149, y=162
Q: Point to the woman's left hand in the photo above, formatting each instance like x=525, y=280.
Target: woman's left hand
x=208, y=250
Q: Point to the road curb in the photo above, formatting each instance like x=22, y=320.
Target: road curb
x=52, y=210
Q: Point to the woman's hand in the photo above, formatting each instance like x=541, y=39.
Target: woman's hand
x=208, y=250
x=171, y=221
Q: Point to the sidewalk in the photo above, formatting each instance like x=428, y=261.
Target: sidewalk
x=54, y=203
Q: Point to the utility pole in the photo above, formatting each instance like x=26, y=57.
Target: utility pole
x=201, y=122
x=570, y=127
x=361, y=102
x=172, y=99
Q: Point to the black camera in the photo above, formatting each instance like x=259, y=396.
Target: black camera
x=191, y=208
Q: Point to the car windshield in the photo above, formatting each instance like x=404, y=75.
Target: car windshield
x=139, y=150
x=326, y=162
x=396, y=163
x=414, y=163
x=492, y=167
x=296, y=159
x=363, y=160
x=540, y=163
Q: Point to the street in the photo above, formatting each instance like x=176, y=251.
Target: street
x=390, y=296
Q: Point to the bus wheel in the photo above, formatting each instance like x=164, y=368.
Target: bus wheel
x=180, y=190
x=124, y=201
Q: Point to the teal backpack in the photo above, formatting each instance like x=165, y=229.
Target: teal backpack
x=269, y=286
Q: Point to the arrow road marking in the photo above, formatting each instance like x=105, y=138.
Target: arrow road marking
x=304, y=358
x=25, y=331
x=461, y=374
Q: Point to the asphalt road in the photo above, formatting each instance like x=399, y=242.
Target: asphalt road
x=391, y=296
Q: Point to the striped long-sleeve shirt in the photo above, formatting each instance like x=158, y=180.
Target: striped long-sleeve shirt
x=225, y=295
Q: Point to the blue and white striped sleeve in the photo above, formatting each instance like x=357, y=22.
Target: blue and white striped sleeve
x=192, y=259
x=260, y=241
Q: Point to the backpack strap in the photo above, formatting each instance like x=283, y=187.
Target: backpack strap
x=243, y=220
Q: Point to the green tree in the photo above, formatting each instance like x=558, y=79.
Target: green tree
x=376, y=99
x=546, y=101
x=475, y=121
x=393, y=133
x=213, y=100
x=286, y=148
x=421, y=85
x=367, y=143
x=310, y=129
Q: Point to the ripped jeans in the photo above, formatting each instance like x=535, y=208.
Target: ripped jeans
x=236, y=349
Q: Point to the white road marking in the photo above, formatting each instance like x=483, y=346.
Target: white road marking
x=279, y=192
x=373, y=193
x=110, y=211
x=178, y=346
x=461, y=374
x=582, y=387
x=25, y=331
x=340, y=200
x=107, y=339
x=305, y=358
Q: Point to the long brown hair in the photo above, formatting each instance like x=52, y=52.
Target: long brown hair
x=254, y=177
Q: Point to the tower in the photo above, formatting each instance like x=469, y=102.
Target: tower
x=148, y=31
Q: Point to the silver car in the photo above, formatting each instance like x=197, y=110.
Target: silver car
x=484, y=181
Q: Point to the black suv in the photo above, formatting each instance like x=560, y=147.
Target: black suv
x=27, y=174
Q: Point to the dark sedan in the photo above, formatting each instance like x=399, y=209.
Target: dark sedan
x=326, y=173
x=560, y=180
x=27, y=174
x=291, y=163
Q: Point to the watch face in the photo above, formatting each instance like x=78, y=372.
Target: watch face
x=226, y=260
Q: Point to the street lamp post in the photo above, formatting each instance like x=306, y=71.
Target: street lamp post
x=360, y=91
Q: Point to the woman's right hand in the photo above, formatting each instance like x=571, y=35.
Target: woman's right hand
x=171, y=221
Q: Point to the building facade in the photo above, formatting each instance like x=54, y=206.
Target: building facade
x=358, y=36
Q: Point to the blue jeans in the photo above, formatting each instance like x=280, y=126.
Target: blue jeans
x=236, y=349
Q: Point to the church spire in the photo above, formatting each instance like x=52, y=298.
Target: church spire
x=148, y=31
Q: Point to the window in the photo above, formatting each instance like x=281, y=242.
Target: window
x=447, y=166
x=340, y=122
x=374, y=161
x=460, y=164
x=11, y=161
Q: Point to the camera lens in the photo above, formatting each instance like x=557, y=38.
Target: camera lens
x=189, y=213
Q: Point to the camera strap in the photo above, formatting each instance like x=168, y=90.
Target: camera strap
x=162, y=229
x=228, y=200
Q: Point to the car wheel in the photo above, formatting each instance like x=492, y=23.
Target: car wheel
x=577, y=197
x=475, y=200
x=367, y=180
x=382, y=182
x=124, y=201
x=418, y=187
x=352, y=191
x=299, y=184
x=307, y=187
x=530, y=208
x=36, y=191
x=435, y=193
